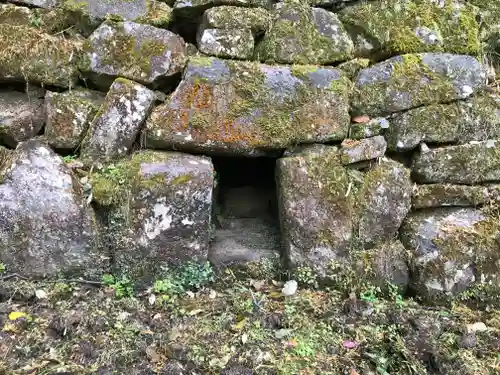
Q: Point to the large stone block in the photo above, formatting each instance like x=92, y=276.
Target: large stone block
x=250, y=109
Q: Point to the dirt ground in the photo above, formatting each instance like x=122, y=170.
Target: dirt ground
x=238, y=327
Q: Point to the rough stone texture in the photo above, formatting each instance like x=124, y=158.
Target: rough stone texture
x=257, y=20
x=410, y=26
x=370, y=128
x=28, y=54
x=441, y=195
x=159, y=210
x=47, y=20
x=226, y=43
x=464, y=164
x=118, y=122
x=352, y=67
x=250, y=109
x=128, y=11
x=68, y=116
x=353, y=151
x=475, y=119
x=327, y=210
x=453, y=249
x=46, y=227
x=37, y=3
x=21, y=117
x=412, y=80
x=304, y=35
x=384, y=200
x=139, y=52
x=195, y=7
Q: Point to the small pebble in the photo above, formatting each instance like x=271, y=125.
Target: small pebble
x=290, y=288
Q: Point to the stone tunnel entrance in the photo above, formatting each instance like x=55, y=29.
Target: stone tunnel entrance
x=245, y=214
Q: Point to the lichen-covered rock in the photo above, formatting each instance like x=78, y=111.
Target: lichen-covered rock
x=192, y=8
x=475, y=119
x=353, y=151
x=228, y=43
x=441, y=195
x=37, y=3
x=21, y=117
x=249, y=108
x=139, y=52
x=407, y=81
x=47, y=20
x=46, y=227
x=453, y=250
x=68, y=116
x=27, y=54
x=118, y=122
x=304, y=35
x=410, y=26
x=126, y=11
x=352, y=67
x=257, y=20
x=327, y=210
x=383, y=201
x=370, y=128
x=158, y=207
x=464, y=164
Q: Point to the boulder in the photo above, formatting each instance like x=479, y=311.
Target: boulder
x=68, y=115
x=475, y=119
x=47, y=20
x=117, y=124
x=471, y=163
x=353, y=151
x=250, y=109
x=158, y=210
x=21, y=117
x=138, y=52
x=441, y=195
x=226, y=43
x=27, y=54
x=304, y=35
x=453, y=250
x=411, y=26
x=327, y=210
x=413, y=80
x=46, y=226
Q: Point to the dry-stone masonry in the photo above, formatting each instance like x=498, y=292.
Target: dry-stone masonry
x=354, y=141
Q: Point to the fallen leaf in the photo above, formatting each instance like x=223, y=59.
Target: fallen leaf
x=152, y=299
x=40, y=294
x=152, y=354
x=348, y=344
x=353, y=372
x=361, y=119
x=240, y=324
x=195, y=312
x=258, y=285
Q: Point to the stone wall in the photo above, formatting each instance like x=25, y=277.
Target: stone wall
x=384, y=117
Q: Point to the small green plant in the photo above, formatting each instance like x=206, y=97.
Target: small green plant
x=395, y=296
x=123, y=287
x=370, y=293
x=35, y=19
x=69, y=158
x=306, y=276
x=3, y=267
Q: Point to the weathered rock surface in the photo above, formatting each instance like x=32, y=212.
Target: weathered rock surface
x=159, y=210
x=327, y=209
x=413, y=80
x=228, y=43
x=21, y=117
x=68, y=116
x=352, y=67
x=353, y=151
x=196, y=7
x=441, y=195
x=249, y=108
x=118, y=122
x=129, y=11
x=139, y=52
x=46, y=227
x=47, y=20
x=464, y=164
x=399, y=27
x=475, y=119
x=257, y=20
x=370, y=128
x=453, y=249
x=27, y=54
x=304, y=35
x=37, y=3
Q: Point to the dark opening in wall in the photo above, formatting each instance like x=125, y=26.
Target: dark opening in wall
x=245, y=211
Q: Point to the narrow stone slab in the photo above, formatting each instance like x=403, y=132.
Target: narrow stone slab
x=68, y=116
x=21, y=117
x=37, y=3
x=159, y=210
x=46, y=227
x=353, y=151
x=228, y=43
x=250, y=109
x=313, y=36
x=442, y=195
x=257, y=20
x=26, y=54
x=118, y=122
x=407, y=81
x=128, y=11
x=464, y=164
x=139, y=52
